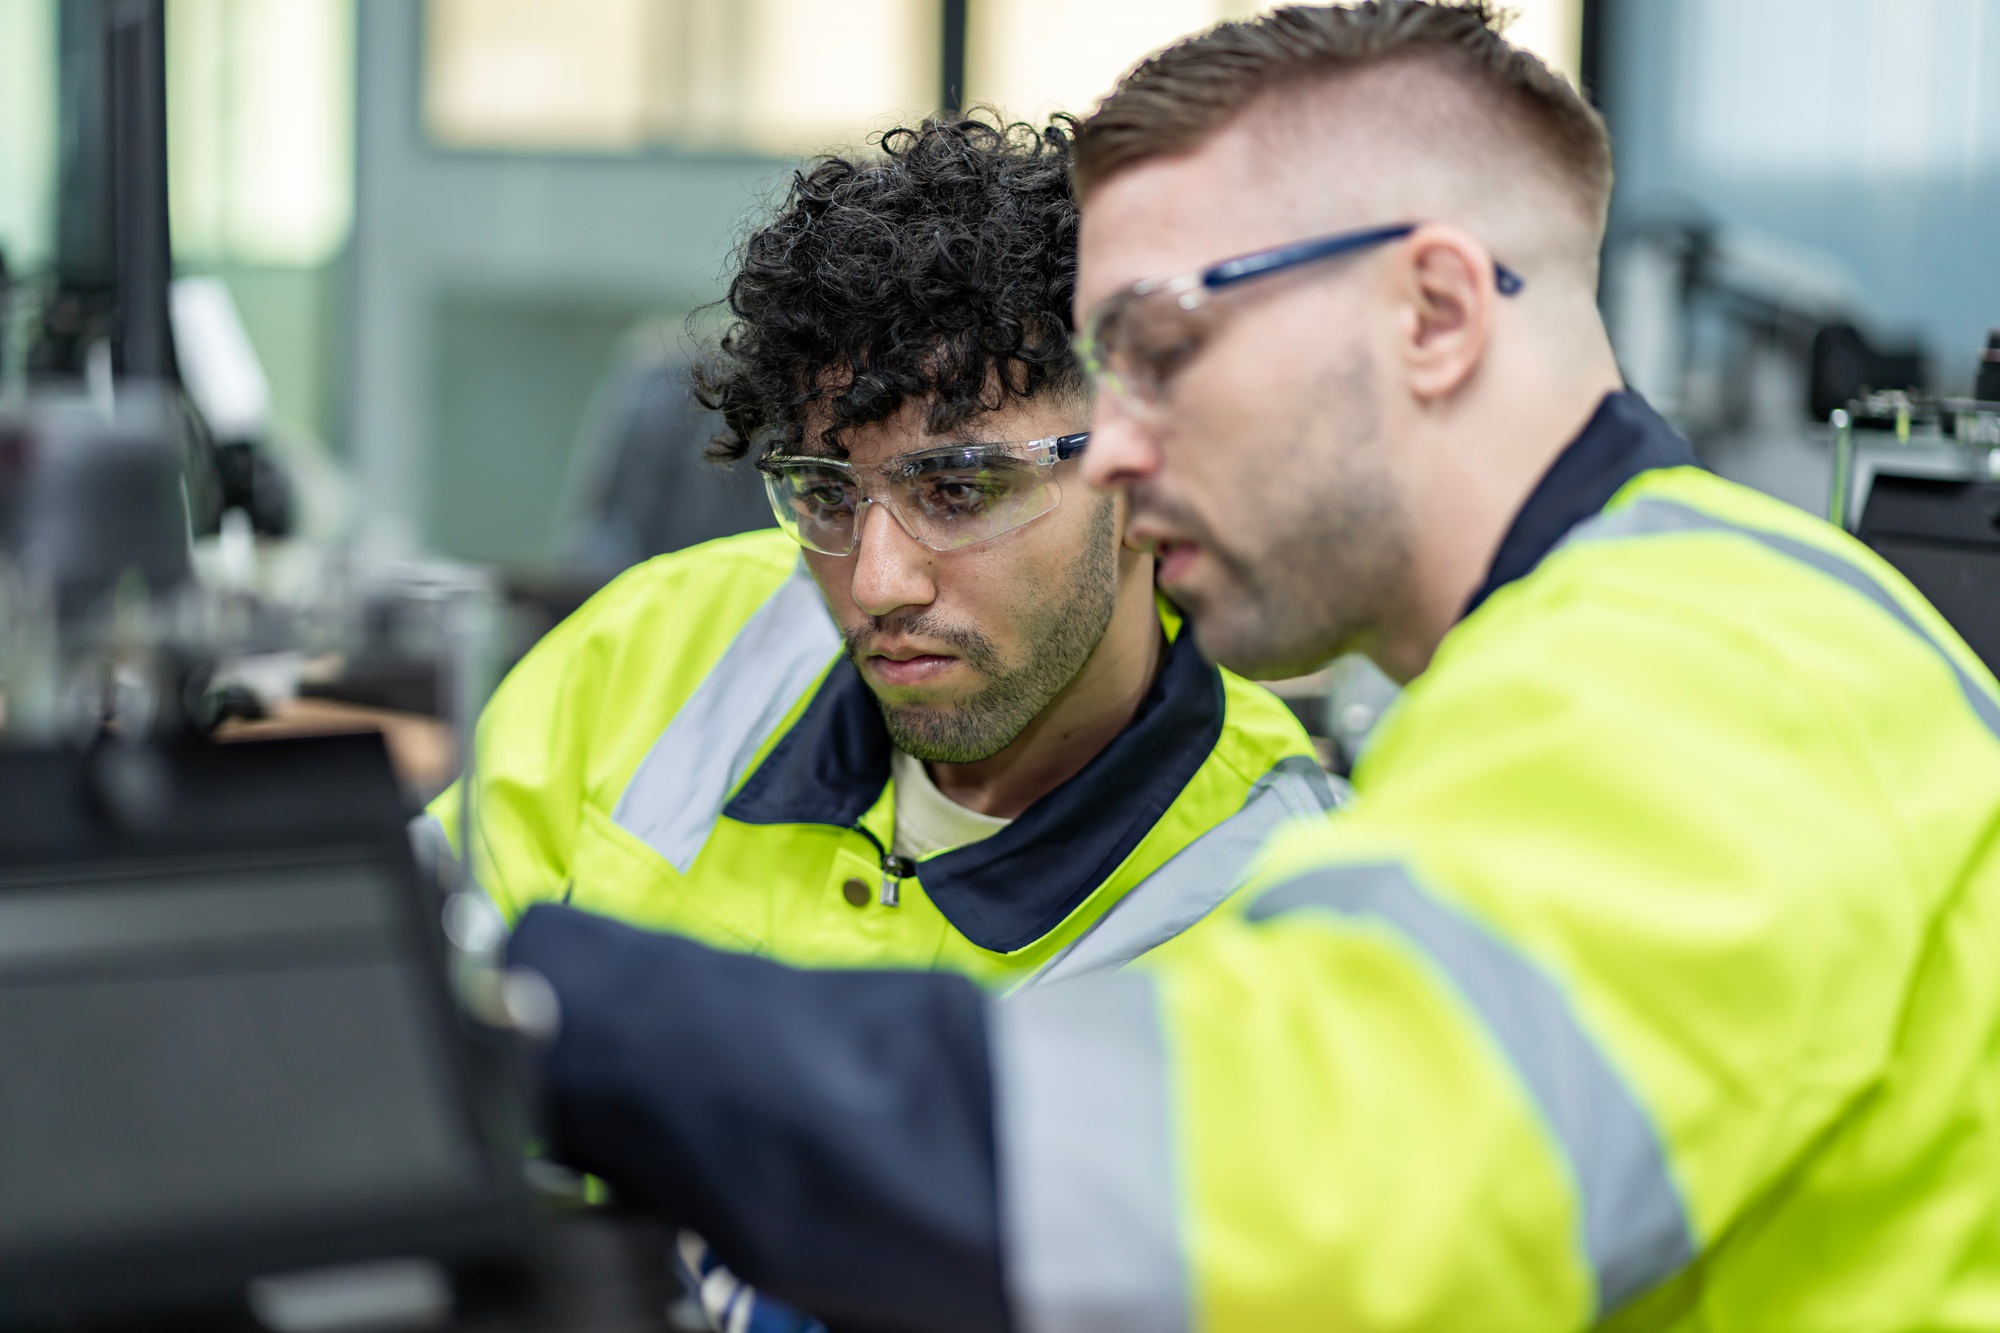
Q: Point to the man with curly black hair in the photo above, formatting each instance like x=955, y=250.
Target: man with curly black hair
x=939, y=716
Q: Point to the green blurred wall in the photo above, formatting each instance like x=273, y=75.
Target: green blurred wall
x=512, y=380
x=292, y=314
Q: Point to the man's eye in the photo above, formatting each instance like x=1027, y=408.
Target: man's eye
x=826, y=495
x=961, y=495
x=1165, y=357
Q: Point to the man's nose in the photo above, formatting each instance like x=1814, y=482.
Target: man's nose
x=1122, y=451
x=892, y=569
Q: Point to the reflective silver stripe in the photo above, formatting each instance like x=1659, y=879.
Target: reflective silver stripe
x=431, y=846
x=1089, y=1216
x=1199, y=876
x=1650, y=516
x=1636, y=1229
x=678, y=791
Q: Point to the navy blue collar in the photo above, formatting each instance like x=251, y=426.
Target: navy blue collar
x=1623, y=438
x=1004, y=892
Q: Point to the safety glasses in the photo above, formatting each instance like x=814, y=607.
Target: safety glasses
x=1137, y=340
x=946, y=498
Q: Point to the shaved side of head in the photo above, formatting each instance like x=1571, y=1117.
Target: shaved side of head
x=1400, y=110
x=1412, y=140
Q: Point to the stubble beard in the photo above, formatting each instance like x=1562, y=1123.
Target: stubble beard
x=1059, y=637
x=1326, y=547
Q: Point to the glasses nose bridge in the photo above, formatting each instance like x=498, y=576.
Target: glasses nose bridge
x=887, y=506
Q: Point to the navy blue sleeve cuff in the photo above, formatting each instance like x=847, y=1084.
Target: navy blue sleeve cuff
x=829, y=1133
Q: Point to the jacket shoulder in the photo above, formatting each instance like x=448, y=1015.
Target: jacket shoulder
x=639, y=648
x=1258, y=729
x=714, y=577
x=682, y=608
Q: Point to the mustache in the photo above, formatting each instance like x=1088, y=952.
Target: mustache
x=975, y=647
x=1150, y=502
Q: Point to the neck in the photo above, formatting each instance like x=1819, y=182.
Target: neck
x=1489, y=449
x=1079, y=722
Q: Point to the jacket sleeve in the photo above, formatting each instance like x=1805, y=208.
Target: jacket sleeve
x=830, y=1133
x=529, y=778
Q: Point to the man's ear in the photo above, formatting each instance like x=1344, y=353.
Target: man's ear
x=1449, y=294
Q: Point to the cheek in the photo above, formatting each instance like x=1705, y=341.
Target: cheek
x=1013, y=578
x=835, y=577
x=1225, y=409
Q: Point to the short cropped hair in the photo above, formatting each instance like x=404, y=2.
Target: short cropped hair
x=940, y=273
x=1175, y=100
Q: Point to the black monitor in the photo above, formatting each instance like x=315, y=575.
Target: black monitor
x=231, y=1057
x=1944, y=535
x=113, y=260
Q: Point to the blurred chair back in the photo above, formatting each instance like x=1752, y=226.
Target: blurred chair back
x=640, y=486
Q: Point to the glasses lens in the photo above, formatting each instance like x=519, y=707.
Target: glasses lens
x=955, y=497
x=815, y=503
x=1140, y=340
x=1161, y=335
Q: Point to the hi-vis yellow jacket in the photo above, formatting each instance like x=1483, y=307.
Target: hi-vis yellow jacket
x=1652, y=980
x=692, y=751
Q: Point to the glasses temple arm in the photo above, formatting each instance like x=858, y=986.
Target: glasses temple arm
x=1231, y=271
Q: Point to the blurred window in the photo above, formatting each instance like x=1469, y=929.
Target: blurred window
x=777, y=76
x=1845, y=154
x=1032, y=57
x=27, y=131
x=1883, y=88
x=260, y=129
x=787, y=76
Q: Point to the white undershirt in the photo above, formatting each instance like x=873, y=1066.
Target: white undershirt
x=926, y=819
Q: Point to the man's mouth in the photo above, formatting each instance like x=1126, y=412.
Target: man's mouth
x=1173, y=556
x=907, y=665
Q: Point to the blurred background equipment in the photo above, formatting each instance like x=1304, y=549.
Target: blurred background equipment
x=238, y=1082
x=1917, y=477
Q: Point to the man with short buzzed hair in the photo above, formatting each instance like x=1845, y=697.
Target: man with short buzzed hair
x=1647, y=984
x=1423, y=116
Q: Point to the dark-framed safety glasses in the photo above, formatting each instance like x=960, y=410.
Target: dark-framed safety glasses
x=946, y=498
x=1135, y=340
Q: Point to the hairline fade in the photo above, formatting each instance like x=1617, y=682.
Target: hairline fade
x=1179, y=98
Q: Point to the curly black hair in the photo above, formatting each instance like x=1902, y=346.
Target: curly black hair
x=940, y=273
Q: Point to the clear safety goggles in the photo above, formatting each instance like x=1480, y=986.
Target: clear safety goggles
x=946, y=498
x=1136, y=340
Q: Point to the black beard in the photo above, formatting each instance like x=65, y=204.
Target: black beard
x=1059, y=639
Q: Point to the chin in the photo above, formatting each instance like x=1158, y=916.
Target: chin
x=1253, y=649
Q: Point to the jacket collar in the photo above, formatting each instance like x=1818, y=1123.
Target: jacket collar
x=1623, y=438
x=1007, y=891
